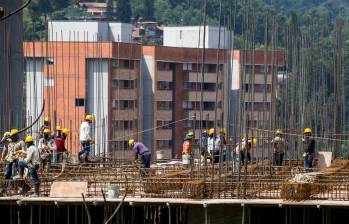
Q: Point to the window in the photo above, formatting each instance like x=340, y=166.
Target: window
x=164, y=105
x=163, y=85
x=164, y=144
x=114, y=104
x=115, y=63
x=119, y=145
x=128, y=64
x=187, y=67
x=210, y=68
x=115, y=125
x=192, y=86
x=264, y=68
x=248, y=68
x=163, y=66
x=79, y=102
x=126, y=84
x=188, y=124
x=209, y=87
x=208, y=105
x=161, y=124
x=127, y=125
x=126, y=104
x=115, y=83
x=187, y=105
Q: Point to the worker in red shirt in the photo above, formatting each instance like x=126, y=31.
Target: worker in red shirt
x=60, y=144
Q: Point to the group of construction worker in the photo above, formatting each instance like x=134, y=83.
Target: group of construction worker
x=19, y=154
x=215, y=147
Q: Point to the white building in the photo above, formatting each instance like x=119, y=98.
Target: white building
x=89, y=31
x=192, y=36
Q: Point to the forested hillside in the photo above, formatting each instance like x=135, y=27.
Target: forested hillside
x=187, y=12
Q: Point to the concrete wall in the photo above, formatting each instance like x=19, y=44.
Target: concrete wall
x=98, y=101
x=11, y=68
x=189, y=36
x=90, y=31
x=34, y=90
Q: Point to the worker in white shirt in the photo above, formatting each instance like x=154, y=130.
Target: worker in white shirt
x=32, y=162
x=86, y=137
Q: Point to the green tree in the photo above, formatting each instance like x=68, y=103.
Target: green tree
x=148, y=10
x=110, y=10
x=123, y=12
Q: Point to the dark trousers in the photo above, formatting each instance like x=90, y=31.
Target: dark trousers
x=8, y=170
x=33, y=171
x=242, y=156
x=308, y=160
x=278, y=158
x=85, y=149
x=145, y=160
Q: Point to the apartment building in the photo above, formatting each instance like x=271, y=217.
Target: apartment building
x=179, y=91
x=254, y=85
x=78, y=78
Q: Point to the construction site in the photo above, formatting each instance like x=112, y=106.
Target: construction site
x=157, y=94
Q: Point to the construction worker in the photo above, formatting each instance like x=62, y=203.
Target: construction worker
x=279, y=148
x=142, y=153
x=47, y=147
x=245, y=147
x=6, y=141
x=59, y=140
x=32, y=162
x=14, y=146
x=213, y=145
x=309, y=148
x=86, y=137
x=187, y=147
x=46, y=125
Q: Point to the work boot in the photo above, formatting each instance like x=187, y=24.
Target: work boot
x=36, y=190
x=17, y=177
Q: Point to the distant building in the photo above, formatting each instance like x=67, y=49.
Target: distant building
x=147, y=32
x=89, y=31
x=96, y=10
x=189, y=36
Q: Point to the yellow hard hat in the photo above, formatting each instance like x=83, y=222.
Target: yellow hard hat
x=66, y=131
x=131, y=142
x=13, y=132
x=89, y=117
x=58, y=128
x=211, y=131
x=190, y=133
x=47, y=119
x=254, y=141
x=47, y=131
x=223, y=130
x=279, y=132
x=28, y=139
x=307, y=130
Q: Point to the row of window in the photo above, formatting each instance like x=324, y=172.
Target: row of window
x=163, y=125
x=124, y=104
x=120, y=125
x=257, y=106
x=189, y=124
x=190, y=86
x=123, y=84
x=195, y=105
x=123, y=64
x=258, y=88
x=190, y=67
x=263, y=68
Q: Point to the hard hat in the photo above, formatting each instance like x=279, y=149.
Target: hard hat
x=58, y=128
x=254, y=141
x=307, y=130
x=28, y=139
x=190, y=133
x=131, y=142
x=47, y=131
x=47, y=119
x=279, y=132
x=89, y=117
x=211, y=131
x=13, y=132
x=52, y=133
x=66, y=131
x=223, y=130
